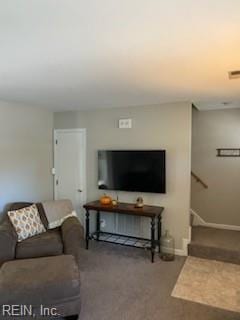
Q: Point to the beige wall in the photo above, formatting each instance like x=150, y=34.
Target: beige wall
x=25, y=154
x=220, y=203
x=154, y=127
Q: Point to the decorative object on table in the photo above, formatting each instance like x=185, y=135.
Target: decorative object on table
x=139, y=202
x=105, y=200
x=167, y=247
x=114, y=202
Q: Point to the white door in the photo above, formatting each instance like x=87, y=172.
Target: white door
x=70, y=167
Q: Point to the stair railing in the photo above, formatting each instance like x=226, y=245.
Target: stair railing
x=196, y=177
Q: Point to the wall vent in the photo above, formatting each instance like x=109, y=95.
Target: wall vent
x=234, y=74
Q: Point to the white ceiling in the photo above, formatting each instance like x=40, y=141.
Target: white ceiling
x=75, y=54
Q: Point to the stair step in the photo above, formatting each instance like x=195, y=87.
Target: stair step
x=215, y=244
x=214, y=253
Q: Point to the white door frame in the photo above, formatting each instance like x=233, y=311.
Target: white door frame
x=83, y=164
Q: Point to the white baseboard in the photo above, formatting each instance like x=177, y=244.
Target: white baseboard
x=198, y=221
x=177, y=252
x=185, y=246
x=222, y=226
x=180, y=252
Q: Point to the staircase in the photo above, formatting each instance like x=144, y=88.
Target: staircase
x=209, y=241
x=215, y=244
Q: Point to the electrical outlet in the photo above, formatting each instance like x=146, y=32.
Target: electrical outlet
x=103, y=223
x=125, y=123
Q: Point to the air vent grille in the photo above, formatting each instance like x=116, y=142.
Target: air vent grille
x=234, y=74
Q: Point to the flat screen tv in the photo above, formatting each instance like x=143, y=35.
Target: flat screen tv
x=132, y=170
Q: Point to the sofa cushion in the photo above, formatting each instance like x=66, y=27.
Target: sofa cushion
x=27, y=222
x=47, y=281
x=20, y=205
x=46, y=244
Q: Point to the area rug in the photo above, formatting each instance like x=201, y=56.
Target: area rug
x=209, y=282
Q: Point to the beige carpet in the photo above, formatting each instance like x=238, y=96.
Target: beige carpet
x=210, y=282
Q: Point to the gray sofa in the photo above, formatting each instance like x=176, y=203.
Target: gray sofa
x=50, y=261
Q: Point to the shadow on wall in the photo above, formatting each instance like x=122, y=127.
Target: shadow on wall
x=26, y=153
x=220, y=202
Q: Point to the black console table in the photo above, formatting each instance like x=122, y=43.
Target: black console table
x=152, y=212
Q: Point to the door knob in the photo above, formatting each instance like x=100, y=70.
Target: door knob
x=79, y=190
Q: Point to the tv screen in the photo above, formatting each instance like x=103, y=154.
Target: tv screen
x=135, y=170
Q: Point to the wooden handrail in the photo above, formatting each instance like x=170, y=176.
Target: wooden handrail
x=199, y=180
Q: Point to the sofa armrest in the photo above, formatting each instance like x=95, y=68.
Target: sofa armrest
x=73, y=236
x=8, y=241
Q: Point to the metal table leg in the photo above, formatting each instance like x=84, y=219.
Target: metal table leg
x=159, y=232
x=98, y=225
x=87, y=228
x=153, y=238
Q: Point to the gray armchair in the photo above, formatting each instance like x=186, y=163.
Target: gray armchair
x=51, y=261
x=66, y=239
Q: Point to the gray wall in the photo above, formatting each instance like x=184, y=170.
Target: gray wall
x=220, y=203
x=25, y=154
x=154, y=127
